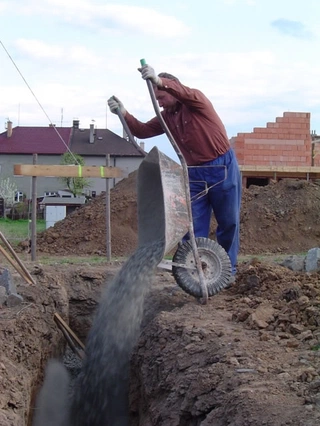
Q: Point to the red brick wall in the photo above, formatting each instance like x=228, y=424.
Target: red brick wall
x=316, y=153
x=285, y=142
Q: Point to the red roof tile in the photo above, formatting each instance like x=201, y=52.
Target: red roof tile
x=47, y=140
x=36, y=140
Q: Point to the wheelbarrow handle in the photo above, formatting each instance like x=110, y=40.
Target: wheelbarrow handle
x=186, y=184
x=126, y=128
x=162, y=122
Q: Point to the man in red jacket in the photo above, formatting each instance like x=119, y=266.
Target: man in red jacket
x=202, y=140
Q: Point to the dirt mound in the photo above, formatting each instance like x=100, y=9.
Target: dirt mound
x=248, y=358
x=279, y=217
x=83, y=232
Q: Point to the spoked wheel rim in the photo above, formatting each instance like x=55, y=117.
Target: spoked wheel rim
x=216, y=267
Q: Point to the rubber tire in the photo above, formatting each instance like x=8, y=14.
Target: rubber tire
x=216, y=267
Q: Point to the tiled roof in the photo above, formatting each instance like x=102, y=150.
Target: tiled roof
x=35, y=140
x=105, y=142
x=47, y=140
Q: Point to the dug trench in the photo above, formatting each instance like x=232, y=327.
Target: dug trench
x=251, y=356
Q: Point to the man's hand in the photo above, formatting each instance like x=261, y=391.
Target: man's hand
x=148, y=73
x=116, y=105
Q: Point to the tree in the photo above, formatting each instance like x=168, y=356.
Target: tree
x=75, y=184
x=7, y=192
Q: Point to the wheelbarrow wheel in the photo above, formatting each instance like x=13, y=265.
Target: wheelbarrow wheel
x=215, y=262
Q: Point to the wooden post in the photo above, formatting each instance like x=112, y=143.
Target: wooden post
x=34, y=214
x=108, y=222
x=67, y=171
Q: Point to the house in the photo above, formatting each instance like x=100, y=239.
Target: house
x=19, y=144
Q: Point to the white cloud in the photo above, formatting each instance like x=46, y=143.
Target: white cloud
x=247, y=2
x=76, y=54
x=59, y=55
x=4, y=5
x=38, y=49
x=110, y=17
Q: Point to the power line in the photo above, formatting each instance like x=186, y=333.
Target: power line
x=39, y=103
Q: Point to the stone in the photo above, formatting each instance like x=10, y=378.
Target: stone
x=296, y=328
x=3, y=296
x=263, y=315
x=294, y=263
x=14, y=300
x=312, y=262
x=6, y=281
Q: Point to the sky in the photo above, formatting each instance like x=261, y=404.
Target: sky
x=61, y=60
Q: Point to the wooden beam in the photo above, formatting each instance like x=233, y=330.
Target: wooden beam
x=288, y=169
x=67, y=171
x=308, y=172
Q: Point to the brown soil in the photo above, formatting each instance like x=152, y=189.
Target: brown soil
x=280, y=217
x=250, y=357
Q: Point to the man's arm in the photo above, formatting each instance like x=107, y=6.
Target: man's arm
x=137, y=128
x=193, y=98
x=143, y=130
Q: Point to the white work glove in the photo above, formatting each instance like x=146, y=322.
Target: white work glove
x=148, y=73
x=116, y=105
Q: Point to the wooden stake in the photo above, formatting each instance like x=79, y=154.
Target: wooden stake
x=13, y=253
x=70, y=336
x=15, y=265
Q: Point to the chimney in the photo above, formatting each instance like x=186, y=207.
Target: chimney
x=76, y=124
x=91, y=137
x=9, y=129
x=142, y=145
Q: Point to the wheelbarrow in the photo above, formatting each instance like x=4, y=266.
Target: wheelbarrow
x=163, y=214
x=200, y=266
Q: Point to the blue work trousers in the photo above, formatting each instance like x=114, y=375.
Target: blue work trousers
x=216, y=187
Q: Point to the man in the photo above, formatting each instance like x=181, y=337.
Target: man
x=214, y=176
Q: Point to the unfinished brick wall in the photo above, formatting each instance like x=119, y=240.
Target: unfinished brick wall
x=316, y=152
x=285, y=142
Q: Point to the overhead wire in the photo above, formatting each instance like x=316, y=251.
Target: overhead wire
x=39, y=103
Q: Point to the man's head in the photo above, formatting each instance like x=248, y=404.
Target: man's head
x=165, y=100
x=167, y=75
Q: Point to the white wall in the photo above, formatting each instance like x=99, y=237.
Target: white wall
x=127, y=164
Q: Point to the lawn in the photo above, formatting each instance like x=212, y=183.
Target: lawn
x=18, y=230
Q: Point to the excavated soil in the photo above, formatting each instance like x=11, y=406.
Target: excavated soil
x=279, y=217
x=250, y=357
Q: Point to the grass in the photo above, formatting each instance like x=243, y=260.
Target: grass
x=316, y=348
x=18, y=230
x=73, y=260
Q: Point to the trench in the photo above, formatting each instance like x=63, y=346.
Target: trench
x=181, y=366
x=84, y=290
x=103, y=385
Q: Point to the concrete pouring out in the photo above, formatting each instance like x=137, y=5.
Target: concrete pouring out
x=101, y=391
